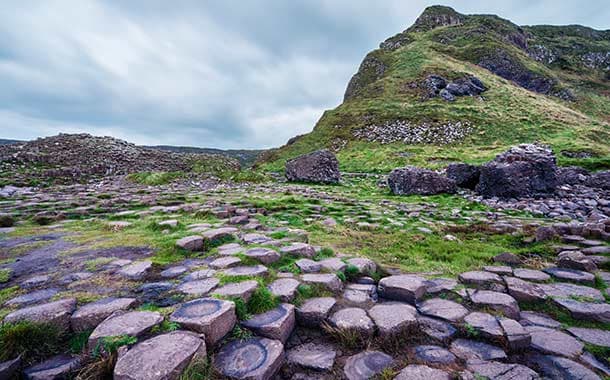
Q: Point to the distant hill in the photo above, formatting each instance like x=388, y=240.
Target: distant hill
x=7, y=142
x=245, y=157
x=456, y=87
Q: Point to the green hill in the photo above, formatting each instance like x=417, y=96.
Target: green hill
x=549, y=84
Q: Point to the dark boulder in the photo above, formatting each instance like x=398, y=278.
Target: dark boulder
x=6, y=220
x=435, y=85
x=527, y=170
x=317, y=167
x=470, y=86
x=572, y=175
x=600, y=180
x=411, y=180
x=464, y=175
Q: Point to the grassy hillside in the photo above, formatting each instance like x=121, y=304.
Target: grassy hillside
x=546, y=84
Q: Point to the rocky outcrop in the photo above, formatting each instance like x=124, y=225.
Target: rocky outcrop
x=371, y=69
x=317, y=167
x=464, y=175
x=409, y=133
x=526, y=170
x=411, y=180
x=437, y=86
x=437, y=16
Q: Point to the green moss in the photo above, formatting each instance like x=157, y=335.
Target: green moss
x=5, y=275
x=32, y=341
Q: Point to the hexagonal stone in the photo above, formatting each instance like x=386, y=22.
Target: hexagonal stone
x=314, y=311
x=593, y=336
x=319, y=357
x=499, y=269
x=216, y=235
x=191, y=243
x=353, y=319
x=517, y=338
x=255, y=238
x=308, y=266
x=524, y=291
x=576, y=260
x=87, y=317
x=274, y=324
x=567, y=290
x=212, y=317
x=134, y=323
x=174, y=272
x=364, y=265
x=404, y=288
x=434, y=355
x=243, y=290
x=199, y=287
x=422, y=372
x=436, y=329
x=285, y=288
x=299, y=250
x=479, y=278
x=137, y=270
x=473, y=350
x=497, y=301
x=393, y=318
x=571, y=275
x=556, y=367
x=366, y=365
x=251, y=359
x=57, y=367
x=32, y=297
x=328, y=280
x=230, y=249
x=199, y=275
x=162, y=357
x=599, y=312
x=225, y=262
x=531, y=275
x=264, y=255
x=501, y=371
x=486, y=324
x=554, y=342
x=256, y=270
x=333, y=264
x=440, y=285
x=530, y=318
x=35, y=281
x=443, y=309
x=55, y=313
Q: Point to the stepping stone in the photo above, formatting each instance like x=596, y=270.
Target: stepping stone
x=480, y=278
x=215, y=236
x=199, y=287
x=603, y=250
x=252, y=359
x=366, y=364
x=264, y=255
x=364, y=265
x=314, y=311
x=572, y=275
x=35, y=281
x=32, y=298
x=531, y=275
x=87, y=317
x=353, y=319
x=436, y=286
x=230, y=249
x=55, y=313
x=209, y=316
x=199, y=275
x=422, y=372
x=299, y=250
x=599, y=312
x=576, y=260
x=572, y=238
x=507, y=258
x=57, y=367
x=256, y=270
x=328, y=280
x=254, y=238
x=120, y=263
x=524, y=291
x=73, y=277
x=474, y=350
x=136, y=271
x=554, y=342
x=318, y=357
x=404, y=288
x=243, y=290
x=434, y=355
x=501, y=371
x=486, y=324
x=275, y=324
x=592, y=336
x=499, y=270
x=134, y=323
x=333, y=264
x=567, y=290
x=171, y=223
x=160, y=358
x=191, y=243
x=517, y=337
x=443, y=309
x=224, y=262
x=285, y=288
x=556, y=367
x=153, y=292
x=360, y=297
x=436, y=329
x=530, y=318
x=497, y=301
x=590, y=360
x=308, y=266
x=393, y=319
x=174, y=272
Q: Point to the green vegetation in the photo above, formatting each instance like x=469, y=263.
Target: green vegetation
x=562, y=315
x=154, y=178
x=5, y=275
x=33, y=341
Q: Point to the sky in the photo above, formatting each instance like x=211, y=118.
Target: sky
x=231, y=74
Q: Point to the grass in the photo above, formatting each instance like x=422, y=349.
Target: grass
x=154, y=178
x=33, y=341
x=5, y=275
x=561, y=315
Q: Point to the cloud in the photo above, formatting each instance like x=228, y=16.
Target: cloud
x=246, y=74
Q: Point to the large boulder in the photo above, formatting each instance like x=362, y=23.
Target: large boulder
x=411, y=180
x=318, y=167
x=464, y=175
x=526, y=170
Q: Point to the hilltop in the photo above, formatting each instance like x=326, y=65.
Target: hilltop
x=455, y=87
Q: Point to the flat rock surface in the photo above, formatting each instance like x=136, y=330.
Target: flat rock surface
x=56, y=313
x=275, y=324
x=134, y=323
x=254, y=358
x=320, y=357
x=549, y=341
x=366, y=365
x=422, y=372
x=315, y=310
x=405, y=288
x=393, y=318
x=92, y=314
x=475, y=350
x=443, y=309
x=212, y=317
x=592, y=336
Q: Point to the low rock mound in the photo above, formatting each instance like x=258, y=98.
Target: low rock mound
x=317, y=167
x=411, y=180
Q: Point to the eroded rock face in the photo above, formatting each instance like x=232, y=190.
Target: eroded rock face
x=464, y=175
x=317, y=167
x=527, y=170
x=370, y=70
x=411, y=180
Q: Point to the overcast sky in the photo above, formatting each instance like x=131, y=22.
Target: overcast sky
x=210, y=73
